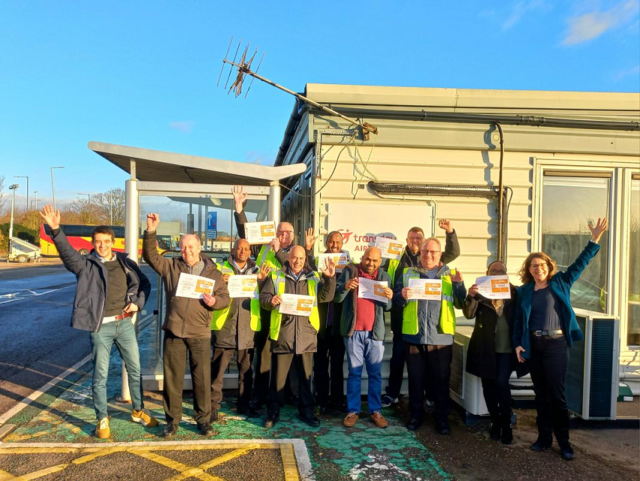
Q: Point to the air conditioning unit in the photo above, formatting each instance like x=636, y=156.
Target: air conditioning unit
x=592, y=376
x=465, y=388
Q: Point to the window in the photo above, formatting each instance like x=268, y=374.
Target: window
x=633, y=327
x=569, y=202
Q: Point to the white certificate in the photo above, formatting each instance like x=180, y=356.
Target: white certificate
x=243, y=286
x=389, y=248
x=340, y=259
x=426, y=289
x=494, y=287
x=296, y=305
x=194, y=286
x=260, y=232
x=374, y=290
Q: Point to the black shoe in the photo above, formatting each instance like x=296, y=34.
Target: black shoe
x=566, y=451
x=496, y=427
x=214, y=416
x=541, y=445
x=309, y=419
x=170, y=430
x=271, y=421
x=443, y=428
x=414, y=424
x=249, y=411
x=205, y=429
x=507, y=435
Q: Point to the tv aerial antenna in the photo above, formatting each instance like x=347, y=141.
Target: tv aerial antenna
x=243, y=68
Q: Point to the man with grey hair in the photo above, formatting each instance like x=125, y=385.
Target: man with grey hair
x=428, y=327
x=187, y=326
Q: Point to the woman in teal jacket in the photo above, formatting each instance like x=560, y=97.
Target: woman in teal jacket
x=545, y=327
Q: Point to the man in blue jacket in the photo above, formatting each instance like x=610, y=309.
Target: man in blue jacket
x=111, y=288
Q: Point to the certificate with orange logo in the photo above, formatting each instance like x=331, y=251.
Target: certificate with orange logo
x=340, y=260
x=243, y=286
x=260, y=232
x=374, y=290
x=426, y=289
x=194, y=286
x=389, y=248
x=494, y=287
x=297, y=305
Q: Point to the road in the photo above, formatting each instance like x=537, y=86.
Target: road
x=38, y=343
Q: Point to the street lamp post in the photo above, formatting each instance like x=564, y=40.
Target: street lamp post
x=24, y=177
x=88, y=196
x=53, y=189
x=36, y=194
x=12, y=187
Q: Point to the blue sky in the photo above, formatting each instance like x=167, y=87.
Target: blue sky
x=144, y=74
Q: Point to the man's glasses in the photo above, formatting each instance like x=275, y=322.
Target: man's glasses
x=433, y=253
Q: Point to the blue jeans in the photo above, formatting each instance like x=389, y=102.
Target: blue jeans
x=363, y=349
x=123, y=334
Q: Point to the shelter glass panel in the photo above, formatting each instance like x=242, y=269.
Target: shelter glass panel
x=633, y=326
x=569, y=204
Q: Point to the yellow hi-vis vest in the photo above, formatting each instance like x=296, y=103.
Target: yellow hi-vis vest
x=279, y=282
x=267, y=256
x=220, y=317
x=447, y=315
x=391, y=270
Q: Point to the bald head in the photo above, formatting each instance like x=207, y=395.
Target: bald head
x=285, y=234
x=296, y=257
x=241, y=251
x=371, y=260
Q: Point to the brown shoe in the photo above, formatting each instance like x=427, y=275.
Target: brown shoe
x=379, y=420
x=350, y=420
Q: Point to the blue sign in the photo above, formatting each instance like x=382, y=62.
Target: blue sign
x=212, y=225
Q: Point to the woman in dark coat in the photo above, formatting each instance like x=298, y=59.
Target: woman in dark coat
x=490, y=355
x=545, y=327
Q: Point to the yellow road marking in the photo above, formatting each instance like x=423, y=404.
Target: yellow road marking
x=184, y=470
x=4, y=476
x=289, y=462
x=226, y=457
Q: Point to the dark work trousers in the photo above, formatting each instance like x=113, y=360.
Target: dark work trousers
x=280, y=366
x=548, y=368
x=396, y=365
x=174, y=363
x=263, y=363
x=497, y=393
x=330, y=357
x=434, y=362
x=219, y=364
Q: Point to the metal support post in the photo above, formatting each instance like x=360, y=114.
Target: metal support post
x=274, y=201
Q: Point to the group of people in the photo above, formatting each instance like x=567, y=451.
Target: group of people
x=530, y=331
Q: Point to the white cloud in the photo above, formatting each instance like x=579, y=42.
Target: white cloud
x=182, y=126
x=628, y=72
x=588, y=26
x=520, y=9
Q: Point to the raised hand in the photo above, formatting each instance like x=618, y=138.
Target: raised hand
x=239, y=197
x=309, y=239
x=264, y=272
x=457, y=277
x=446, y=225
x=598, y=230
x=330, y=270
x=153, y=220
x=51, y=216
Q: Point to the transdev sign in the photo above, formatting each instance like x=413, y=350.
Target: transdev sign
x=360, y=223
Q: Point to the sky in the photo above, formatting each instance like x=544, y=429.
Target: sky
x=143, y=73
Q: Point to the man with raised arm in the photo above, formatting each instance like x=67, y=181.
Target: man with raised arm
x=111, y=289
x=294, y=335
x=187, y=326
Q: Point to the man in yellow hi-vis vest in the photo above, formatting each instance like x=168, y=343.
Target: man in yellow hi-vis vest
x=274, y=255
x=395, y=268
x=294, y=329
x=233, y=331
x=428, y=326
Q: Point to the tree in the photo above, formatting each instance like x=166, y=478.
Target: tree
x=105, y=208
x=3, y=196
